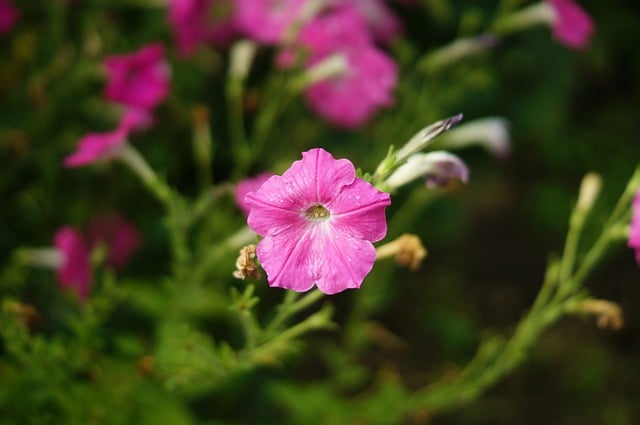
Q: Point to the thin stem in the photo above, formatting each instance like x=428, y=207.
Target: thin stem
x=268, y=351
x=235, y=112
x=290, y=306
x=236, y=241
x=130, y=156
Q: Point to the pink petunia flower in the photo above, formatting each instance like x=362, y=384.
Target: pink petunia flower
x=140, y=79
x=571, y=25
x=318, y=221
x=8, y=16
x=349, y=100
x=249, y=185
x=102, y=146
x=634, y=227
x=118, y=234
x=352, y=97
x=195, y=22
x=266, y=21
x=74, y=272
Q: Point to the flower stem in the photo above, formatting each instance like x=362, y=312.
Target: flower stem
x=291, y=305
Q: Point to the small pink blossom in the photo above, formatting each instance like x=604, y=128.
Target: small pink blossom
x=266, y=21
x=349, y=100
x=572, y=26
x=8, y=16
x=318, y=221
x=352, y=97
x=140, y=79
x=249, y=185
x=102, y=146
x=74, y=273
x=195, y=22
x=118, y=234
x=634, y=227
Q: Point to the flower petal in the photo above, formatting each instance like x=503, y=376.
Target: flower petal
x=359, y=210
x=317, y=254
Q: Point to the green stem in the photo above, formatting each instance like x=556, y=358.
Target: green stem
x=290, y=306
x=493, y=361
x=268, y=351
x=210, y=259
x=240, y=145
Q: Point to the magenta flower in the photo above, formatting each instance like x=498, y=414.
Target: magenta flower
x=8, y=16
x=634, y=227
x=266, y=20
x=201, y=21
x=74, y=273
x=572, y=26
x=102, y=146
x=318, y=221
x=349, y=100
x=353, y=96
x=139, y=79
x=118, y=234
x=382, y=22
x=249, y=185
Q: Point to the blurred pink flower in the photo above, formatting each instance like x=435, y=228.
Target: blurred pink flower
x=74, y=273
x=318, y=221
x=118, y=234
x=382, y=22
x=572, y=26
x=201, y=21
x=634, y=227
x=101, y=146
x=266, y=20
x=140, y=79
x=249, y=185
x=350, y=98
x=337, y=27
x=8, y=16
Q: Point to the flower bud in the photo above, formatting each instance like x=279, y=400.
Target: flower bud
x=438, y=168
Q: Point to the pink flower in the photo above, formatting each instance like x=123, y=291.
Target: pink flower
x=139, y=79
x=382, y=22
x=102, y=146
x=8, y=16
x=118, y=234
x=634, y=227
x=349, y=100
x=352, y=97
x=572, y=26
x=318, y=221
x=249, y=185
x=201, y=21
x=74, y=273
x=337, y=28
x=266, y=20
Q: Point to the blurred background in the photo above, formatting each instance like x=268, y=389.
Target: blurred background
x=570, y=112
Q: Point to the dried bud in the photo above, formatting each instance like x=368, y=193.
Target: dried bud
x=608, y=314
x=25, y=314
x=407, y=250
x=246, y=263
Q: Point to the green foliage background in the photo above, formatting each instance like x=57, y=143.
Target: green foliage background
x=570, y=112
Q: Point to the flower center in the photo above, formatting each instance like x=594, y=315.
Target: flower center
x=317, y=213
